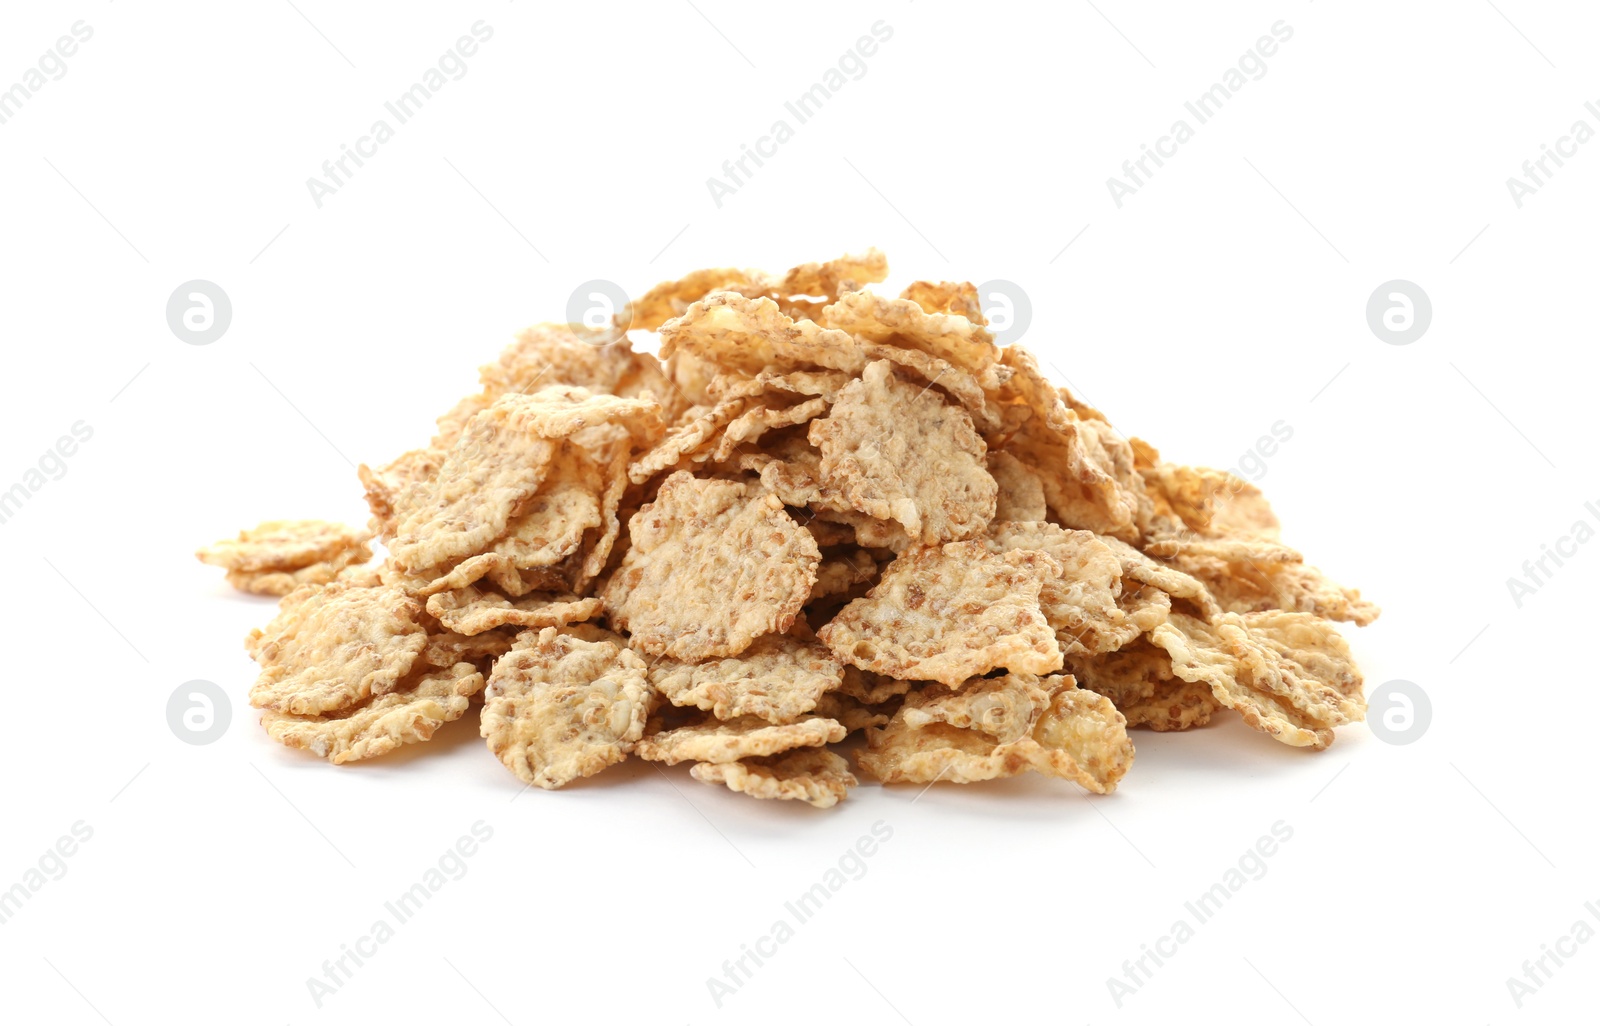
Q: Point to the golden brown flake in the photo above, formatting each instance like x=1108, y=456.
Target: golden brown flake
x=815, y=776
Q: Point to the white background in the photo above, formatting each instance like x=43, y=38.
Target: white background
x=1225, y=295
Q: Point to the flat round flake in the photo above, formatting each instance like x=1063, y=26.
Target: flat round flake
x=951, y=612
x=713, y=740
x=335, y=646
x=713, y=565
x=815, y=776
x=1078, y=736
x=898, y=452
x=778, y=678
x=409, y=714
x=565, y=704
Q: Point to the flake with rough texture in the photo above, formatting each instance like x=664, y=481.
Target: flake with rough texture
x=1079, y=603
x=815, y=776
x=1021, y=493
x=1005, y=707
x=947, y=297
x=559, y=707
x=282, y=582
x=382, y=723
x=713, y=740
x=778, y=678
x=754, y=335
x=713, y=565
x=902, y=322
x=287, y=545
x=1140, y=683
x=336, y=646
x=472, y=610
x=1289, y=675
x=949, y=613
x=1080, y=736
x=900, y=453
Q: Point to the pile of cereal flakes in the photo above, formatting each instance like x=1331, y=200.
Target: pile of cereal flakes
x=822, y=512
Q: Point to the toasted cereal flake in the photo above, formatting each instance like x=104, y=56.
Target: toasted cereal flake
x=1079, y=603
x=778, y=678
x=748, y=427
x=605, y=538
x=698, y=426
x=1289, y=674
x=1021, y=495
x=471, y=610
x=559, y=707
x=1208, y=502
x=1140, y=683
x=902, y=322
x=396, y=490
x=900, y=453
x=1080, y=737
x=496, y=466
x=951, y=612
x=947, y=297
x=565, y=354
x=1088, y=475
x=839, y=575
x=714, y=740
x=337, y=646
x=737, y=385
x=713, y=565
x=754, y=335
x=282, y=582
x=871, y=688
x=852, y=714
x=381, y=724
x=285, y=545
x=1253, y=585
x=1138, y=567
x=815, y=776
x=1005, y=707
x=446, y=648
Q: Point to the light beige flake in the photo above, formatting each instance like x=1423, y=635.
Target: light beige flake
x=815, y=776
x=852, y=714
x=282, y=582
x=565, y=354
x=287, y=545
x=1140, y=568
x=1005, y=707
x=394, y=491
x=495, y=466
x=839, y=575
x=383, y=723
x=1021, y=495
x=1212, y=503
x=471, y=610
x=559, y=707
x=1251, y=585
x=713, y=740
x=754, y=335
x=902, y=322
x=748, y=427
x=947, y=297
x=778, y=678
x=824, y=384
x=1080, y=603
x=1080, y=736
x=335, y=647
x=1289, y=675
x=871, y=688
x=713, y=565
x=698, y=426
x=949, y=613
x=900, y=453
x=1140, y=683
